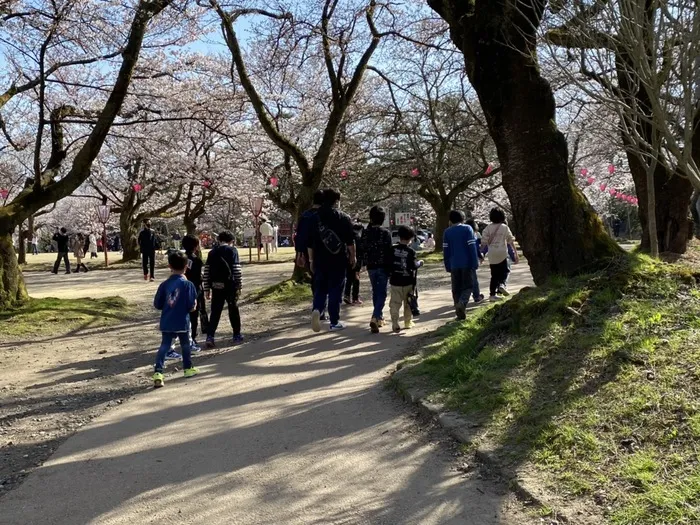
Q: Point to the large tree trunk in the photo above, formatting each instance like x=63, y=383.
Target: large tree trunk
x=190, y=227
x=673, y=194
x=128, y=231
x=22, y=255
x=442, y=221
x=12, y=289
x=558, y=229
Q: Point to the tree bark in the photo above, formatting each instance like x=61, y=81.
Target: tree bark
x=12, y=289
x=558, y=229
x=22, y=255
x=128, y=230
x=190, y=227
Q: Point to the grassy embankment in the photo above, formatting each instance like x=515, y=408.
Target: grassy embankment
x=593, y=382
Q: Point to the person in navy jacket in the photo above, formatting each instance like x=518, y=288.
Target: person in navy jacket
x=176, y=298
x=461, y=258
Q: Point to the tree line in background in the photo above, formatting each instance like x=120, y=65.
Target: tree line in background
x=182, y=110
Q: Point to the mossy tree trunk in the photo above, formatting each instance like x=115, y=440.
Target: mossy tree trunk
x=12, y=289
x=557, y=228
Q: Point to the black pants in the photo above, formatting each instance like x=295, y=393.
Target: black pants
x=352, y=284
x=199, y=313
x=218, y=299
x=499, y=274
x=149, y=263
x=64, y=256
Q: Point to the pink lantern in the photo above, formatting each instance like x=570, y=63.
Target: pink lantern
x=489, y=169
x=613, y=192
x=344, y=174
x=274, y=181
x=611, y=169
x=590, y=180
x=206, y=183
x=415, y=172
x=4, y=193
x=584, y=172
x=137, y=187
x=603, y=186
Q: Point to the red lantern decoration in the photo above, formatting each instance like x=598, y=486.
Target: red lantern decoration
x=137, y=187
x=206, y=183
x=489, y=169
x=415, y=172
x=611, y=169
x=344, y=174
x=613, y=192
x=590, y=180
x=603, y=186
x=274, y=181
x=584, y=172
x=4, y=193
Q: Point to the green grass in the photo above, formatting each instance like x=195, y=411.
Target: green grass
x=431, y=257
x=57, y=317
x=285, y=292
x=594, y=381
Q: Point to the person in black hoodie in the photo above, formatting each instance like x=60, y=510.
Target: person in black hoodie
x=147, y=243
x=352, y=281
x=193, y=273
x=377, y=256
x=61, y=238
x=223, y=281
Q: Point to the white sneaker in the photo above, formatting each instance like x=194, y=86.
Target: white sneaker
x=316, y=321
x=336, y=327
x=503, y=291
x=495, y=298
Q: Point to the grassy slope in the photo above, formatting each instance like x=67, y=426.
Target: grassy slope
x=51, y=316
x=286, y=292
x=592, y=381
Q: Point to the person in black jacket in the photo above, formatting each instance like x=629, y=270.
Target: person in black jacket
x=147, y=243
x=61, y=238
x=195, y=267
x=403, y=279
x=377, y=256
x=223, y=281
x=352, y=281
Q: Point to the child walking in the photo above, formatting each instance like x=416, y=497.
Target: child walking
x=498, y=238
x=176, y=298
x=190, y=243
x=461, y=261
x=403, y=279
x=378, y=258
x=476, y=290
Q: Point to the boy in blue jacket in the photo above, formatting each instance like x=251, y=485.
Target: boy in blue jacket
x=461, y=259
x=176, y=298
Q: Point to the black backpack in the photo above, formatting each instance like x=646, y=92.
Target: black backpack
x=330, y=240
x=219, y=270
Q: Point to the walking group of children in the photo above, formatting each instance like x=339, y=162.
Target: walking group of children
x=182, y=300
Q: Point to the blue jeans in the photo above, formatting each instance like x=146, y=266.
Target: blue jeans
x=476, y=291
x=329, y=283
x=379, y=278
x=165, y=344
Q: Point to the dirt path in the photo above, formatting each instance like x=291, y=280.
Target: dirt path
x=289, y=428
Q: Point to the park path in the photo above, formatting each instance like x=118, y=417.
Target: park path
x=297, y=428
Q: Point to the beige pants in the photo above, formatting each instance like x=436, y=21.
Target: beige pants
x=399, y=296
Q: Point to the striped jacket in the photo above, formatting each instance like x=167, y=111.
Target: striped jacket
x=222, y=269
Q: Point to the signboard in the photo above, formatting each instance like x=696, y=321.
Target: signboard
x=402, y=219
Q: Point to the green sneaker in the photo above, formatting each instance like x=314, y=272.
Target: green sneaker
x=158, y=380
x=191, y=372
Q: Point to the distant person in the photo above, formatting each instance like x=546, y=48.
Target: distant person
x=147, y=244
x=61, y=239
x=267, y=234
x=461, y=260
x=35, y=244
x=195, y=267
x=79, y=252
x=331, y=250
x=223, y=282
x=92, y=238
x=176, y=298
x=275, y=240
x=403, y=279
x=497, y=238
x=352, y=282
x=429, y=243
x=378, y=257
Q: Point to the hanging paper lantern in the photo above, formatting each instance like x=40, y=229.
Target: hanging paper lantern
x=584, y=172
x=603, y=186
x=137, y=187
x=611, y=169
x=415, y=172
x=613, y=192
x=274, y=181
x=206, y=183
x=344, y=174
x=590, y=180
x=489, y=169
x=4, y=193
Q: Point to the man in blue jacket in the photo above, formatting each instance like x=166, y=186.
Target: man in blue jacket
x=461, y=258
